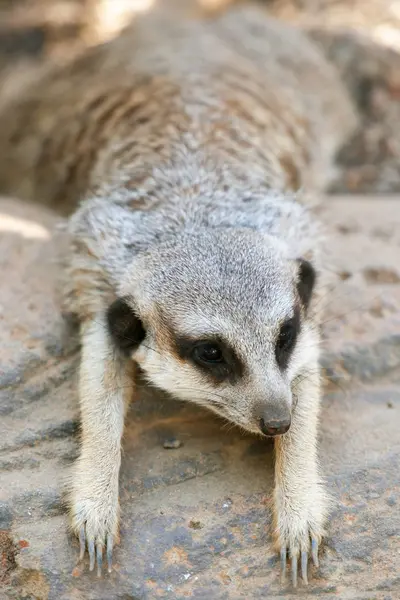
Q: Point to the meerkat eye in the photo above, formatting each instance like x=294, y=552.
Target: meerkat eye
x=208, y=353
x=213, y=357
x=286, y=341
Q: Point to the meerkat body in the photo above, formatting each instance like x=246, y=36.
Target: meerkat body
x=186, y=143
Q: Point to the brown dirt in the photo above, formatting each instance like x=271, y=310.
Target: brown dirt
x=8, y=552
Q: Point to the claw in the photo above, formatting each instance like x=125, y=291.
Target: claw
x=283, y=564
x=91, y=555
x=314, y=552
x=304, y=563
x=99, y=554
x=294, y=570
x=82, y=542
x=110, y=544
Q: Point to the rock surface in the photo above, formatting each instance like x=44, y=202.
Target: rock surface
x=195, y=519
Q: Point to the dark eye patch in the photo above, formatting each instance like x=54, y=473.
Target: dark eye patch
x=286, y=340
x=211, y=356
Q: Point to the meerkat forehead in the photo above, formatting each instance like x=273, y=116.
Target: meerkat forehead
x=215, y=281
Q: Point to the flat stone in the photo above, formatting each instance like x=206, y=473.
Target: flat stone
x=195, y=520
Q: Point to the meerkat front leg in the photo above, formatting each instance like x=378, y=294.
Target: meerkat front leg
x=300, y=501
x=104, y=392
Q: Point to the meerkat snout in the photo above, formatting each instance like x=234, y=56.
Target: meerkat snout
x=273, y=428
x=274, y=416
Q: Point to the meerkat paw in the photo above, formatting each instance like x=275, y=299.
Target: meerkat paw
x=299, y=532
x=95, y=520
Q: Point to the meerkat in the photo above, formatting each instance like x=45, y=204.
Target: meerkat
x=187, y=147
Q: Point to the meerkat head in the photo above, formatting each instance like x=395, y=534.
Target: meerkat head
x=220, y=318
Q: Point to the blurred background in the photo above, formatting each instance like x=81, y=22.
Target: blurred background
x=362, y=37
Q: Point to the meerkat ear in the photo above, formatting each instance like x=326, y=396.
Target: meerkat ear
x=306, y=281
x=124, y=326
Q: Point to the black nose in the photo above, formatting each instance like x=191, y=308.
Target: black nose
x=272, y=428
